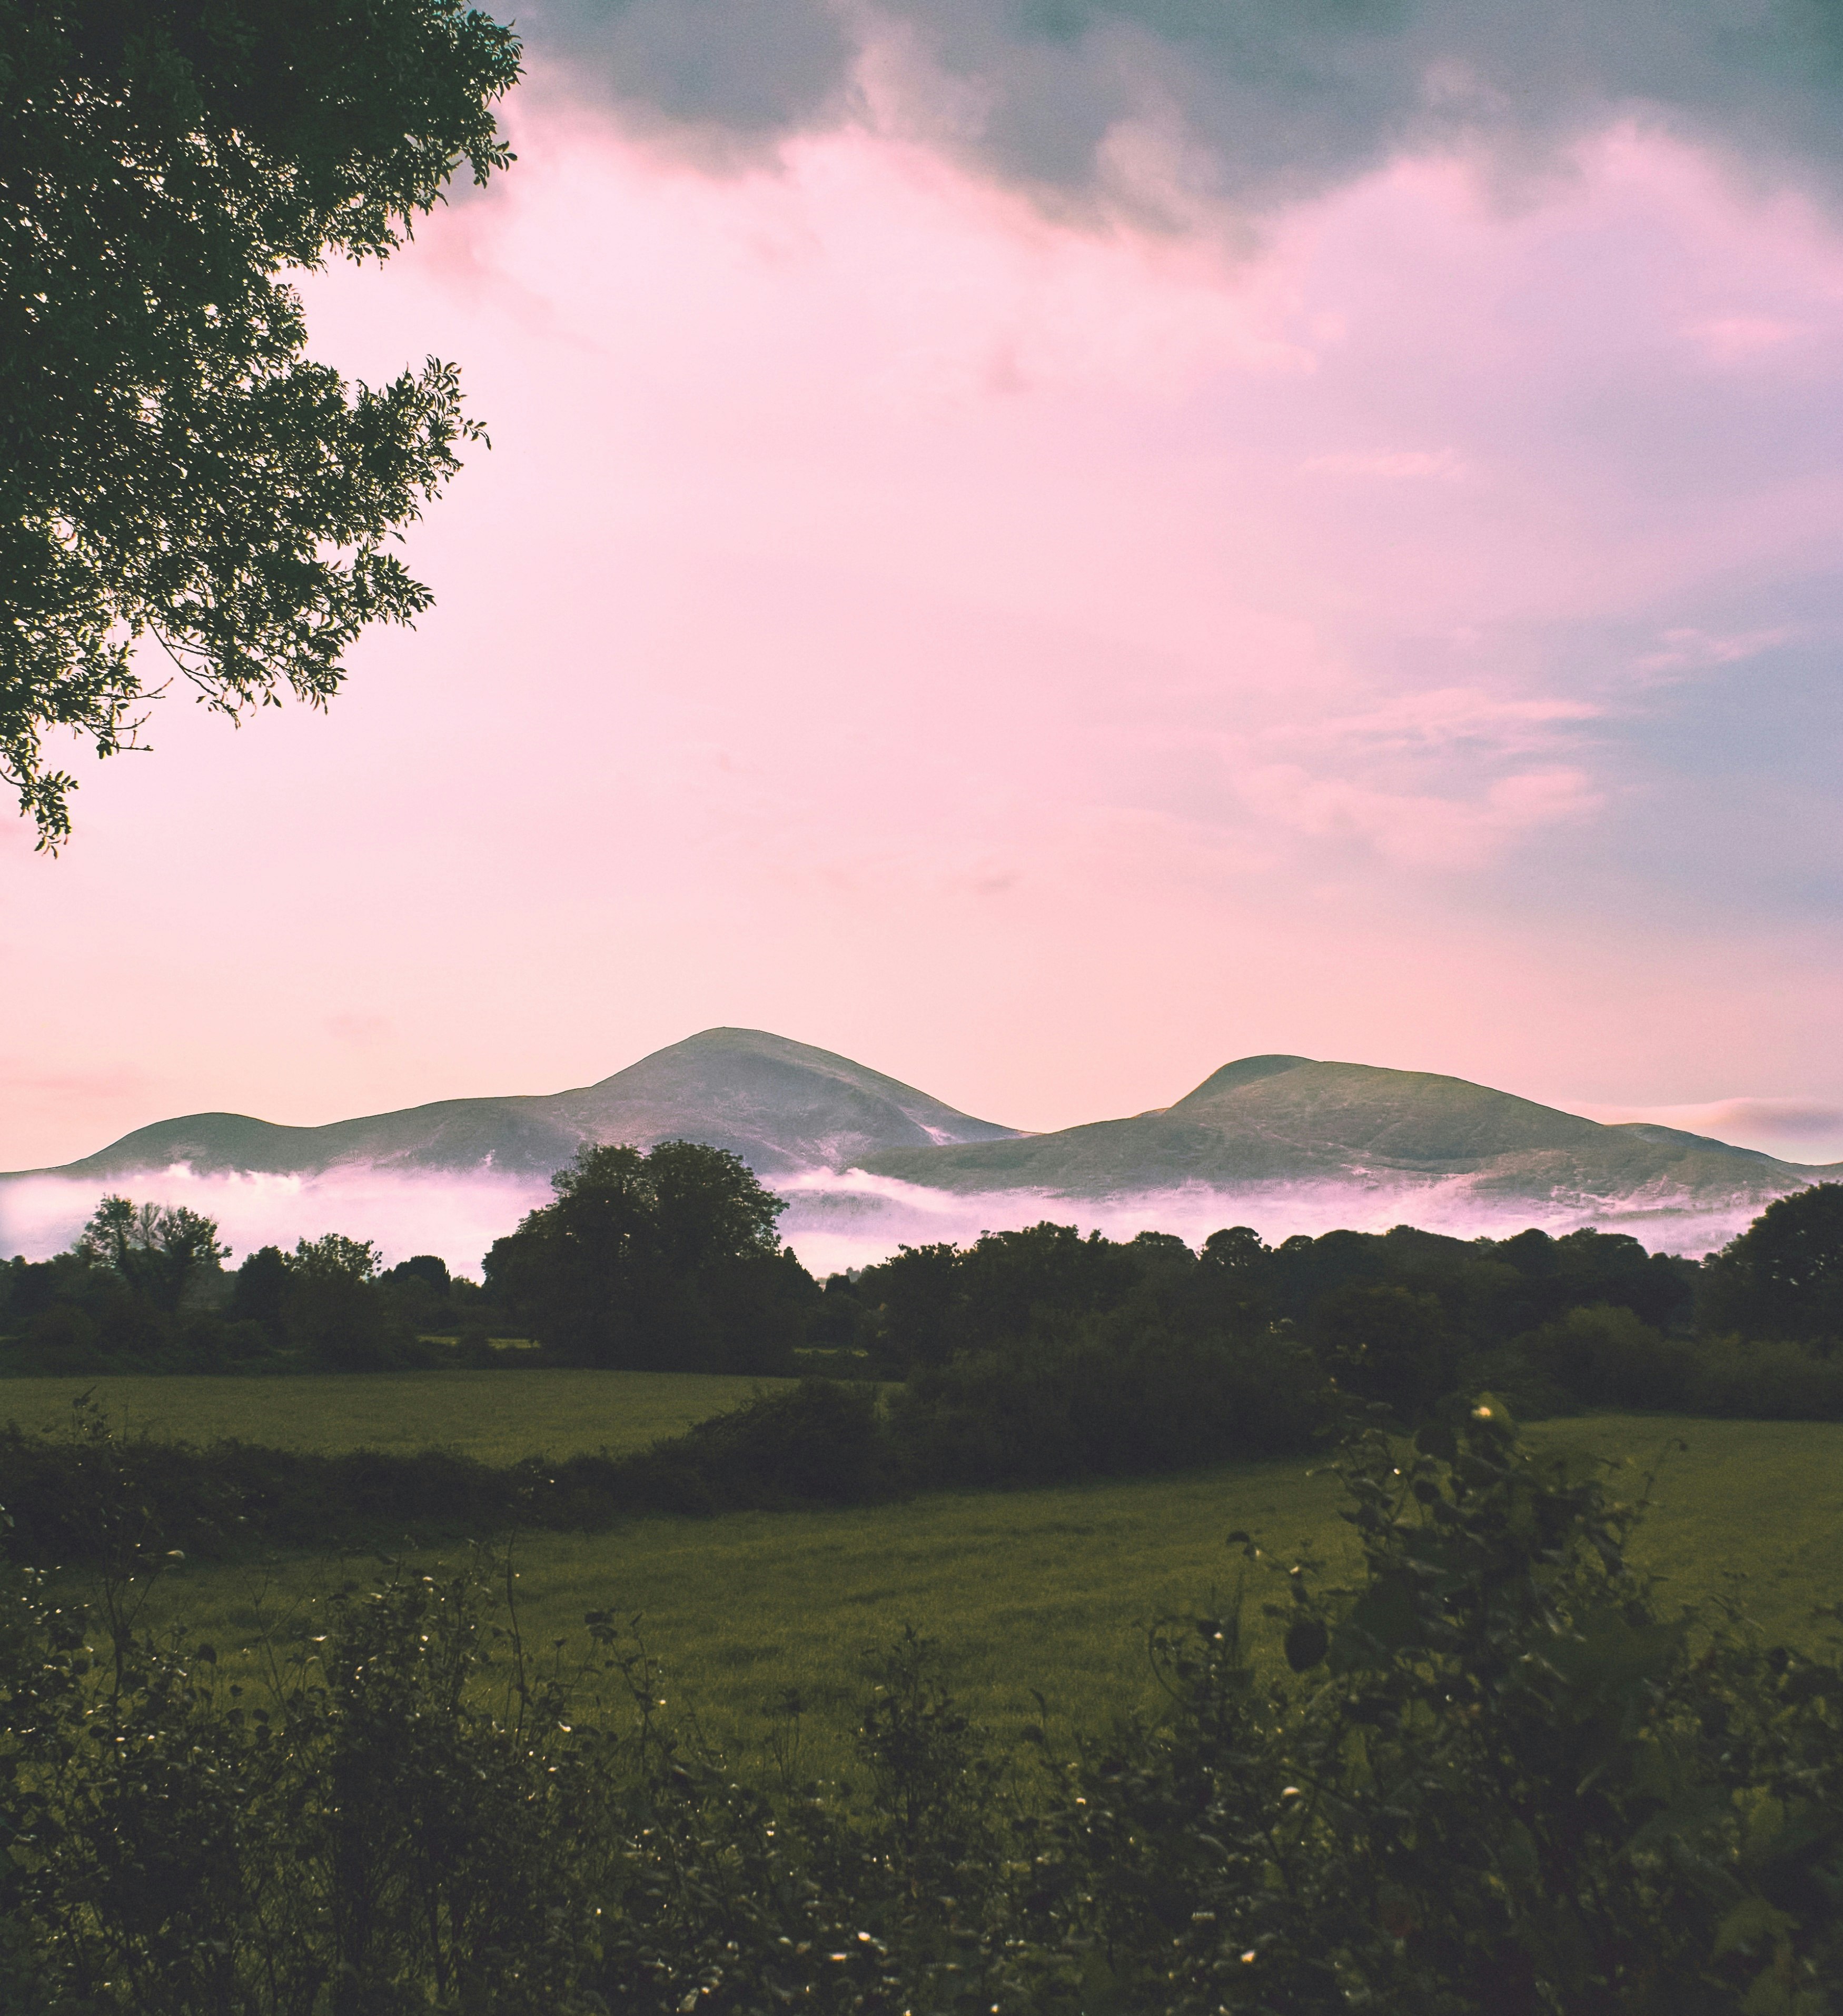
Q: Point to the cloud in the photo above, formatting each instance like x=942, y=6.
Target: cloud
x=1444, y=719
x=748, y=69
x=1802, y=1130
x=1742, y=339
x=1253, y=102
x=834, y=1221
x=1683, y=651
x=1419, y=830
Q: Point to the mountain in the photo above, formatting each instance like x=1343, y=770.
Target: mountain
x=781, y=1106
x=1270, y=1121
x=1278, y=1142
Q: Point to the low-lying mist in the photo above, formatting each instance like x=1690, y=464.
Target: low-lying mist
x=834, y=1220
x=458, y=1217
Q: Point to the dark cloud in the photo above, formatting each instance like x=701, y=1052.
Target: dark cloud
x=1278, y=97
x=753, y=69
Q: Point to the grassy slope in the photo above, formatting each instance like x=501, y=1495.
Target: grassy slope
x=1053, y=1589
x=498, y=1417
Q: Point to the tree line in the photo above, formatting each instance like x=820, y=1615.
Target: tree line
x=670, y=1259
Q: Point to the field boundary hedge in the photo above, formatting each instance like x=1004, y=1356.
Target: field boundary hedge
x=87, y=1497
x=1037, y=1414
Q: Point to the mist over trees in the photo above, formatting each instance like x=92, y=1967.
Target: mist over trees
x=1055, y=1353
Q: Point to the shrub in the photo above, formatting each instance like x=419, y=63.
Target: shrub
x=1045, y=1410
x=1494, y=1780
x=1741, y=1381
x=1604, y=1356
x=1497, y=1782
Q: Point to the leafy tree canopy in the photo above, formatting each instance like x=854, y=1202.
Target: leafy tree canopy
x=173, y=474
x=155, y=1248
x=667, y=1257
x=1783, y=1276
x=333, y=1257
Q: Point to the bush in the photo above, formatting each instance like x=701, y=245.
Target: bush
x=1497, y=1782
x=1046, y=1411
x=1739, y=1381
x=1493, y=1780
x=1604, y=1356
x=820, y=1444
x=76, y=1499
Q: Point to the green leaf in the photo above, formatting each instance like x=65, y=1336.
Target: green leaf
x=1752, y=1919
x=1384, y=1616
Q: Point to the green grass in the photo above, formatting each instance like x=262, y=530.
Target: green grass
x=498, y=1417
x=1048, y=1588
x=1053, y=1589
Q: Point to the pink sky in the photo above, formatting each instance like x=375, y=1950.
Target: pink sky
x=1039, y=657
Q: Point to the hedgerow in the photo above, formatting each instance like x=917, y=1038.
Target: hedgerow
x=1495, y=1777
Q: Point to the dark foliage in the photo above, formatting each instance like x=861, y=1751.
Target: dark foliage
x=1783, y=1276
x=667, y=1260
x=172, y=466
x=1028, y=1416
x=1047, y=1410
x=1501, y=1781
x=927, y=1303
x=142, y=1290
x=1495, y=1780
x=1056, y=1355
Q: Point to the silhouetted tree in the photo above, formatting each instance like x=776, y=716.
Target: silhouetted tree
x=1233, y=1286
x=331, y=1309
x=1783, y=1276
x=668, y=1258
x=173, y=468
x=259, y=1287
x=156, y=1250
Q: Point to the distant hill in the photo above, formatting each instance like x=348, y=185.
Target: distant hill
x=781, y=1106
x=1270, y=1120
x=1274, y=1139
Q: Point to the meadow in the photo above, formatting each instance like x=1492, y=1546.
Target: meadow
x=1047, y=1591
x=498, y=1417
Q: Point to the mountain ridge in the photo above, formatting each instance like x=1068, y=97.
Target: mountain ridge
x=1268, y=1121
x=781, y=1105
x=1269, y=1124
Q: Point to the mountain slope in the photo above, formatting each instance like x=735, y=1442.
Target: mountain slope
x=1271, y=1121
x=1289, y=1135
x=781, y=1106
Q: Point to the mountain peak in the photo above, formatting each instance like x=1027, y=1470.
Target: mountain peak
x=783, y=1107
x=1246, y=1071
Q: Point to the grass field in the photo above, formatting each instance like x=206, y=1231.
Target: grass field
x=1053, y=1589
x=498, y=1417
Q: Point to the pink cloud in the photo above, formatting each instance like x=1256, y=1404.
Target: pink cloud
x=1686, y=650
x=898, y=617
x=1799, y=1130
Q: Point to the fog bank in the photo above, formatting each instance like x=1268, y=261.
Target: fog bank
x=458, y=1217
x=835, y=1220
